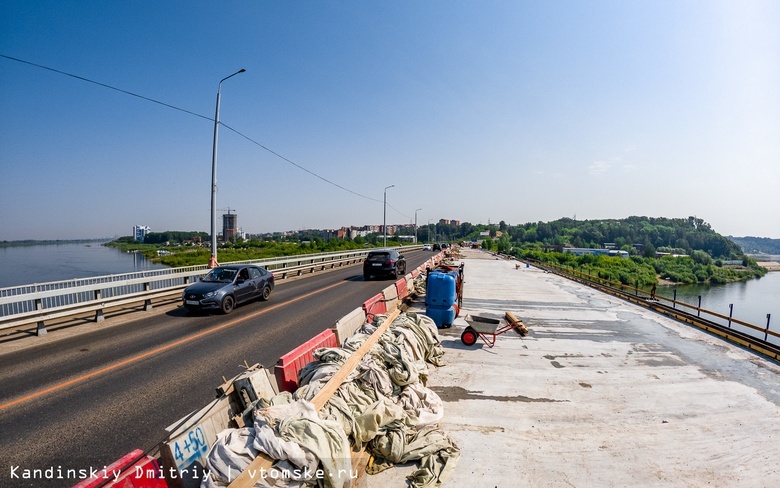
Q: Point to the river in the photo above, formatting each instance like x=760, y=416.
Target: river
x=24, y=265
x=752, y=300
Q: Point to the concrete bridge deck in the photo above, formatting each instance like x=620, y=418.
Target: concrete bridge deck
x=600, y=393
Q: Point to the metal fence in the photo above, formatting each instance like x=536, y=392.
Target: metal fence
x=37, y=303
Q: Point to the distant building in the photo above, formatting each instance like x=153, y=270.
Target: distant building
x=229, y=227
x=140, y=232
x=581, y=251
x=456, y=223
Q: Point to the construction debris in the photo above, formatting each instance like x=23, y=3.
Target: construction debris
x=382, y=406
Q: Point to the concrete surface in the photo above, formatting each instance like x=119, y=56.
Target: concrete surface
x=600, y=393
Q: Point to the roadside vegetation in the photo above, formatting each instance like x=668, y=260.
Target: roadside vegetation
x=691, y=251
x=189, y=253
x=647, y=271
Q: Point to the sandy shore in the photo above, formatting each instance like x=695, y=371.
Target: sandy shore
x=770, y=265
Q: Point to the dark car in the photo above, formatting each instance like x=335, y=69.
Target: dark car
x=226, y=286
x=386, y=262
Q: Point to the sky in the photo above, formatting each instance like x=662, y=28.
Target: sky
x=475, y=111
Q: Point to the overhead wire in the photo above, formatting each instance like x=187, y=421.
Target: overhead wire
x=189, y=112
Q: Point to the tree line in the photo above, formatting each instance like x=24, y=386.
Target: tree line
x=668, y=234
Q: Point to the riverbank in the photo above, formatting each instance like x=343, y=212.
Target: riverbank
x=58, y=242
x=769, y=265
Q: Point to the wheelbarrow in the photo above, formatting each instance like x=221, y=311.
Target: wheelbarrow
x=488, y=328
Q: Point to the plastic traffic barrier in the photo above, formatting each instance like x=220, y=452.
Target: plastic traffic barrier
x=374, y=306
x=390, y=295
x=349, y=324
x=287, y=367
x=402, y=289
x=133, y=470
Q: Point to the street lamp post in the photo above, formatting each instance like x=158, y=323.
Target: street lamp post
x=415, y=225
x=213, y=260
x=384, y=219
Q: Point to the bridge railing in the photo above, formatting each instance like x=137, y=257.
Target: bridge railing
x=41, y=302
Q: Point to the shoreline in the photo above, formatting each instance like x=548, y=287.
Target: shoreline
x=769, y=265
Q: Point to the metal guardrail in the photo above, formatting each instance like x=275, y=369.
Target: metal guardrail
x=41, y=302
x=750, y=340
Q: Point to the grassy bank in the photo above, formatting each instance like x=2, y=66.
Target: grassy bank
x=648, y=271
x=178, y=255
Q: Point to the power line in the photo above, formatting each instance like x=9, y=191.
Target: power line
x=108, y=86
x=126, y=92
x=296, y=164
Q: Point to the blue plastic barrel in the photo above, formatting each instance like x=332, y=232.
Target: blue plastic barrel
x=443, y=317
x=440, y=297
x=440, y=290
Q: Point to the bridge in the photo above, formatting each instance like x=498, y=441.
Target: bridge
x=95, y=389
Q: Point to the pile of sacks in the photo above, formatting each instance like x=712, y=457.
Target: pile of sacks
x=383, y=406
x=420, y=284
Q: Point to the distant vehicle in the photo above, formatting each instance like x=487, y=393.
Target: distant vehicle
x=437, y=247
x=427, y=247
x=386, y=262
x=225, y=287
x=445, y=245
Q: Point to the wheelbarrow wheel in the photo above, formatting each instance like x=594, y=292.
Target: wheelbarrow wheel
x=469, y=336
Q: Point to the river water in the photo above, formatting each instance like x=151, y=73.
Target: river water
x=752, y=300
x=24, y=265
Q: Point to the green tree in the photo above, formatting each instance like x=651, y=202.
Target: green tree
x=504, y=244
x=648, y=251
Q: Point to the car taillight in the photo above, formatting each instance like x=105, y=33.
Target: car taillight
x=389, y=262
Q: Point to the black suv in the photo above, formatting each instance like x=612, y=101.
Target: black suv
x=386, y=262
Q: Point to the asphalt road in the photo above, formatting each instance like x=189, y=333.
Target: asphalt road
x=85, y=400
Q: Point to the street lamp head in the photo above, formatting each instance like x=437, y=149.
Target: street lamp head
x=242, y=70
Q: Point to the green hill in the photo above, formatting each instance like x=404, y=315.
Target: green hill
x=757, y=245
x=663, y=234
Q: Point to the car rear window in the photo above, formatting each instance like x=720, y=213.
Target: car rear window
x=378, y=256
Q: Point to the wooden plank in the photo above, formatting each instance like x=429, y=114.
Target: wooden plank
x=517, y=322
x=262, y=462
x=322, y=396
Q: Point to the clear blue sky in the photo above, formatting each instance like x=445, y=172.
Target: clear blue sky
x=475, y=111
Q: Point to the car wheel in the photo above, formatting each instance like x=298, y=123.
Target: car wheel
x=228, y=303
x=266, y=293
x=366, y=276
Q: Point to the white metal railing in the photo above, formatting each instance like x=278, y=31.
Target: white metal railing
x=37, y=303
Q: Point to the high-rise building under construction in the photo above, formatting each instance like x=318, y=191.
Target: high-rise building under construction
x=229, y=227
